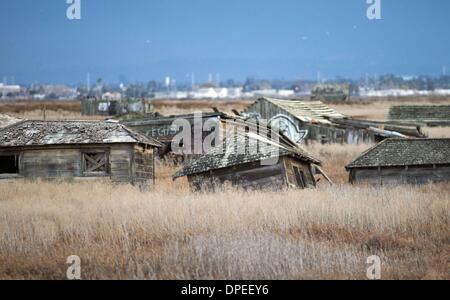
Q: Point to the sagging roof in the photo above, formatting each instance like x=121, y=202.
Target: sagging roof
x=317, y=112
x=404, y=152
x=236, y=149
x=6, y=120
x=420, y=113
x=307, y=111
x=40, y=133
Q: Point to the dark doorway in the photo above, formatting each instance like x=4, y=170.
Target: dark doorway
x=9, y=164
x=299, y=178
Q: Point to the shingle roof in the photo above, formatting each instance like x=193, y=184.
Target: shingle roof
x=404, y=152
x=420, y=113
x=39, y=133
x=236, y=151
x=307, y=111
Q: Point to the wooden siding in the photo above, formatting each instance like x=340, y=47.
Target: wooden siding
x=333, y=134
x=289, y=164
x=50, y=163
x=121, y=163
x=248, y=176
x=400, y=175
x=143, y=168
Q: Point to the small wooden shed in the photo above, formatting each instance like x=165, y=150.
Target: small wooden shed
x=276, y=163
x=403, y=161
x=76, y=149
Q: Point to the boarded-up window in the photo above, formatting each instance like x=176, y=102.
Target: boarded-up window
x=9, y=164
x=95, y=163
x=299, y=178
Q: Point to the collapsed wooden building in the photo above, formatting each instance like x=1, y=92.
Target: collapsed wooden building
x=315, y=121
x=76, y=149
x=253, y=156
x=165, y=128
x=403, y=161
x=429, y=115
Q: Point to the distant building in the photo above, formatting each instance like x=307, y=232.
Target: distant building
x=6, y=90
x=330, y=92
x=76, y=149
x=112, y=96
x=113, y=107
x=400, y=161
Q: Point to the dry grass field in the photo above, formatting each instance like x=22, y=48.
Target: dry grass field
x=170, y=232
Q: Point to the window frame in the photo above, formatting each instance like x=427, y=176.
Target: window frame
x=107, y=165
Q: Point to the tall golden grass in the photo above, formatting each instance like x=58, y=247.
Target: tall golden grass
x=172, y=233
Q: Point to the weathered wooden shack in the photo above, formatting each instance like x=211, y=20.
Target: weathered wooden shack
x=331, y=92
x=76, y=149
x=318, y=122
x=429, y=115
x=403, y=161
x=108, y=107
x=164, y=128
x=272, y=163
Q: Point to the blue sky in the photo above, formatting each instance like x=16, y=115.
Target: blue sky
x=283, y=39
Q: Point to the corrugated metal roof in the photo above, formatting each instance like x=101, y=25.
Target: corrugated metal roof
x=404, y=152
x=40, y=133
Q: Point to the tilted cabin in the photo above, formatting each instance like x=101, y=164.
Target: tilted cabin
x=430, y=115
x=76, y=149
x=322, y=123
x=275, y=164
x=398, y=161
